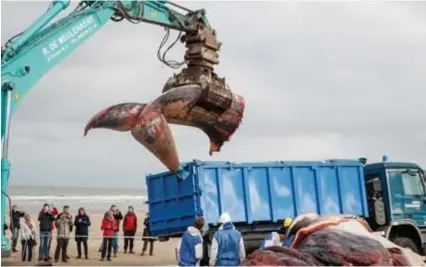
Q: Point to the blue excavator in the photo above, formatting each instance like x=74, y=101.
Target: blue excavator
x=29, y=55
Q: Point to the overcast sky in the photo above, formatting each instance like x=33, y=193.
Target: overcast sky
x=321, y=80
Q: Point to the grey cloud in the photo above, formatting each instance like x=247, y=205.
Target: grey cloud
x=321, y=80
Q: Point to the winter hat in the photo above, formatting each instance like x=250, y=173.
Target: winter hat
x=224, y=218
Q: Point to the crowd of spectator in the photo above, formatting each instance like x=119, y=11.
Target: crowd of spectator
x=49, y=219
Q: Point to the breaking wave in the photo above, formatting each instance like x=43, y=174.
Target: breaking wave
x=103, y=199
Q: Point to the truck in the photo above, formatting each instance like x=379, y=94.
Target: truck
x=390, y=196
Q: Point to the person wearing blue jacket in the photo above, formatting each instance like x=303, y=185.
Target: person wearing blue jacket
x=189, y=250
x=227, y=247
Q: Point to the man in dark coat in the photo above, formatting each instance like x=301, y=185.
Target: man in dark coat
x=147, y=237
x=17, y=214
x=82, y=223
x=45, y=218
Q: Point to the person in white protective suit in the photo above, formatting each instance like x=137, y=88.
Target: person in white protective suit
x=227, y=245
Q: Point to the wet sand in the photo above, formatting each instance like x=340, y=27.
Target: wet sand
x=164, y=252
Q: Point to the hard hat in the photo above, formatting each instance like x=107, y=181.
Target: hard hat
x=285, y=226
x=287, y=222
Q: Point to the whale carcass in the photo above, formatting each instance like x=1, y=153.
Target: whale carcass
x=189, y=105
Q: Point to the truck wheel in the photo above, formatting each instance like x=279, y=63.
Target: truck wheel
x=405, y=242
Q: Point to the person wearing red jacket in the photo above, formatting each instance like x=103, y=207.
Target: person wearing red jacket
x=109, y=227
x=55, y=212
x=130, y=224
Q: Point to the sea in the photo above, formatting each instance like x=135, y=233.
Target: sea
x=32, y=198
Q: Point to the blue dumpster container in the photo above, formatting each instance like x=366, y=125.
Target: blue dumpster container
x=254, y=194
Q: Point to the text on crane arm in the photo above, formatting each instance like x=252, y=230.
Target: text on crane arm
x=73, y=36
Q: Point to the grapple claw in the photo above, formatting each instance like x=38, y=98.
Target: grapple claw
x=195, y=97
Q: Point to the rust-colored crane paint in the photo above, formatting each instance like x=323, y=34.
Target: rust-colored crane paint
x=148, y=123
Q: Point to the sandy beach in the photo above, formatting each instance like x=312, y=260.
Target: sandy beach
x=163, y=251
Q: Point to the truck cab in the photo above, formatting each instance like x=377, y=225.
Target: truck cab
x=396, y=201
